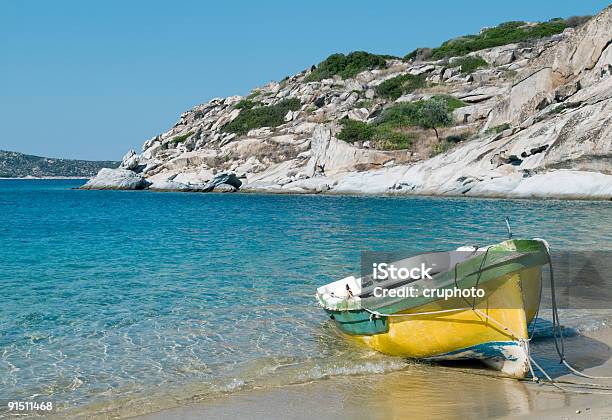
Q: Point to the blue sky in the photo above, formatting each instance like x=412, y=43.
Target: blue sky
x=90, y=80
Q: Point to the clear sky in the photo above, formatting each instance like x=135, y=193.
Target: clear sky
x=90, y=80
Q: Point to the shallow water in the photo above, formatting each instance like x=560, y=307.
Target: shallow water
x=145, y=300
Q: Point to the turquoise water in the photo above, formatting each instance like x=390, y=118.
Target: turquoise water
x=143, y=300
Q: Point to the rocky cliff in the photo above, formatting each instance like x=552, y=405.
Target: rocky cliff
x=535, y=121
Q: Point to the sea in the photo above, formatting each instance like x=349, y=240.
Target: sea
x=119, y=303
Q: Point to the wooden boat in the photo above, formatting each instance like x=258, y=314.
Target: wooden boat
x=492, y=328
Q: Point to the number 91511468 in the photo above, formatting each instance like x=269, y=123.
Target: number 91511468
x=30, y=406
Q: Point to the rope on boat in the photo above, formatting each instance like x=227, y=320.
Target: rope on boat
x=378, y=314
x=560, y=345
x=516, y=336
x=557, y=328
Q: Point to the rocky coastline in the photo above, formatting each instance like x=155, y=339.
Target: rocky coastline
x=534, y=122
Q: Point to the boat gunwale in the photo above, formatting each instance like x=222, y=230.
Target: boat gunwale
x=521, y=259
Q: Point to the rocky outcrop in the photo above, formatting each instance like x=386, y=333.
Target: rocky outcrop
x=116, y=179
x=537, y=122
x=579, y=59
x=224, y=182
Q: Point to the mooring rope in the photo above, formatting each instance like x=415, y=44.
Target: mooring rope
x=557, y=328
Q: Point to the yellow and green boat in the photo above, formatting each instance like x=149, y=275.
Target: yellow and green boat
x=492, y=328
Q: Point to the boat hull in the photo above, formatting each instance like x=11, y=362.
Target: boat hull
x=493, y=331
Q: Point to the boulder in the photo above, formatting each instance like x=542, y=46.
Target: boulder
x=451, y=72
x=359, y=114
x=567, y=90
x=169, y=185
x=116, y=179
x=130, y=160
x=228, y=178
x=225, y=188
x=504, y=57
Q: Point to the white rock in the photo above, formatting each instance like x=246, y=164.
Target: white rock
x=565, y=184
x=169, y=185
x=359, y=114
x=130, y=160
x=116, y=179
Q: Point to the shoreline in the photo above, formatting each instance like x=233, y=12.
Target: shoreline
x=395, y=395
x=272, y=191
x=561, y=184
x=413, y=391
x=265, y=191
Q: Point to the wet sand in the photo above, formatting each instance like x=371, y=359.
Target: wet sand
x=423, y=391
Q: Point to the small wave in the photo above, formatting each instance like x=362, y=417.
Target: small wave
x=348, y=369
x=574, y=322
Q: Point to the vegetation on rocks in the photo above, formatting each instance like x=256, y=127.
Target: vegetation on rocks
x=181, y=138
x=421, y=113
x=364, y=103
x=384, y=136
x=433, y=114
x=502, y=34
x=451, y=102
x=469, y=64
x=346, y=66
x=399, y=85
x=388, y=130
x=246, y=104
x=353, y=130
x=440, y=147
x=256, y=116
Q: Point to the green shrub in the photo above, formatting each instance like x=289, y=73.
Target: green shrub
x=262, y=116
x=246, y=104
x=412, y=113
x=434, y=113
x=405, y=114
x=440, y=147
x=451, y=102
x=387, y=138
x=364, y=103
x=384, y=136
x=254, y=94
x=387, y=130
x=505, y=33
x=469, y=64
x=181, y=138
x=346, y=66
x=353, y=131
x=397, y=86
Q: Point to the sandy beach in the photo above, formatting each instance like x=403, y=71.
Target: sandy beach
x=399, y=395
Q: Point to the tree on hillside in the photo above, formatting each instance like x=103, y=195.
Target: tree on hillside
x=434, y=113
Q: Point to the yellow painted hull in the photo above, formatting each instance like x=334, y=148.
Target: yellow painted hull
x=510, y=305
